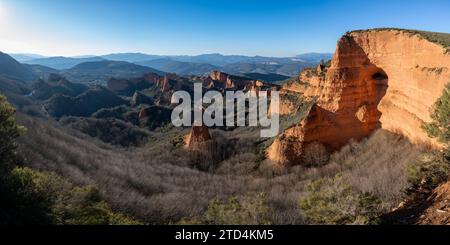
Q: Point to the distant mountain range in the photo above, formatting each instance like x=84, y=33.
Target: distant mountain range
x=99, y=69
x=191, y=65
x=270, y=77
x=62, y=63
x=132, y=57
x=314, y=57
x=217, y=59
x=102, y=71
x=179, y=67
x=41, y=71
x=286, y=69
x=91, y=70
x=26, y=57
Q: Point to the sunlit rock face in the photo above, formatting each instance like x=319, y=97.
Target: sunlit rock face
x=197, y=136
x=222, y=81
x=377, y=79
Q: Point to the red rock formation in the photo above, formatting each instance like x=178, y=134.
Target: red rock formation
x=438, y=211
x=320, y=68
x=220, y=81
x=139, y=98
x=129, y=86
x=219, y=76
x=142, y=113
x=378, y=79
x=197, y=136
x=151, y=78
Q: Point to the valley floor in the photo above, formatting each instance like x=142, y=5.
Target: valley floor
x=160, y=183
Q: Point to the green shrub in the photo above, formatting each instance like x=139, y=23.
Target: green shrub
x=26, y=199
x=330, y=201
x=429, y=170
x=13, y=207
x=84, y=206
x=9, y=131
x=56, y=201
x=244, y=211
x=32, y=197
x=442, y=39
x=432, y=169
x=440, y=126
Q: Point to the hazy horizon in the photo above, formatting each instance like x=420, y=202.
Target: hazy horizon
x=252, y=28
x=162, y=55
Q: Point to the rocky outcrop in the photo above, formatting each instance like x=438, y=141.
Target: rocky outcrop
x=424, y=206
x=154, y=116
x=172, y=83
x=203, y=152
x=140, y=98
x=377, y=79
x=222, y=81
x=438, y=210
x=127, y=87
x=162, y=87
x=196, y=137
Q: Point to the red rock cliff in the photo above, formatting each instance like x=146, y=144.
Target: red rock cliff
x=377, y=79
x=197, y=136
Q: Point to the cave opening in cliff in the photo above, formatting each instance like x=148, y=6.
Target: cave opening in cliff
x=380, y=79
x=380, y=76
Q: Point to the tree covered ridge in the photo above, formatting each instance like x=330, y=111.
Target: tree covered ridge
x=28, y=196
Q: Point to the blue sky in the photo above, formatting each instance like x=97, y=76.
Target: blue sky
x=249, y=27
